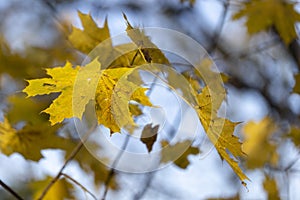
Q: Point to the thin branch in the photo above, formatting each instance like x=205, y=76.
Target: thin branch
x=79, y=184
x=217, y=33
x=292, y=163
x=170, y=132
x=149, y=180
x=70, y=157
x=11, y=191
x=248, y=52
x=115, y=163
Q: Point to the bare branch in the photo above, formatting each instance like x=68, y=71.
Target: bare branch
x=217, y=33
x=79, y=184
x=115, y=163
x=292, y=163
x=70, y=157
x=11, y=191
x=142, y=192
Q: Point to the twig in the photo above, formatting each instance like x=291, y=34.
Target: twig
x=115, y=163
x=292, y=163
x=79, y=184
x=219, y=28
x=70, y=157
x=11, y=191
x=141, y=193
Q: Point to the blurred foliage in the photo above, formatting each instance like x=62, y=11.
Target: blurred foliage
x=258, y=144
x=278, y=14
x=25, y=130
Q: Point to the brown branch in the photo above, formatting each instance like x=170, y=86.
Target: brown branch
x=70, y=157
x=79, y=184
x=11, y=191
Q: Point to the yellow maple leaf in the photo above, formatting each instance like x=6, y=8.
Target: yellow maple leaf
x=77, y=86
x=178, y=153
x=112, y=103
x=87, y=39
x=30, y=62
x=264, y=14
x=219, y=131
x=30, y=140
x=257, y=143
x=60, y=190
x=95, y=38
x=26, y=110
x=63, y=80
x=149, y=51
x=207, y=101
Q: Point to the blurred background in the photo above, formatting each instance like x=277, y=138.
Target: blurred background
x=260, y=71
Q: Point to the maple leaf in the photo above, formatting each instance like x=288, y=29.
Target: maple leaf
x=257, y=143
x=63, y=79
x=60, y=190
x=85, y=86
x=178, y=153
x=25, y=110
x=112, y=103
x=30, y=62
x=271, y=188
x=149, y=136
x=87, y=39
x=149, y=51
x=30, y=140
x=207, y=102
x=264, y=14
x=93, y=36
x=135, y=109
x=78, y=86
x=219, y=130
